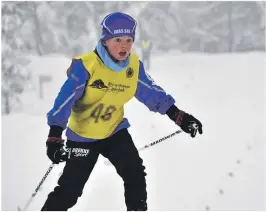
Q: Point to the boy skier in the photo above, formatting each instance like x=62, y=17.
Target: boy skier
x=91, y=102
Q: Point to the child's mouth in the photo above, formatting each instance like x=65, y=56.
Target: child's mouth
x=122, y=53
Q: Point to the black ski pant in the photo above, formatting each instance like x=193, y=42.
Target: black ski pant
x=122, y=153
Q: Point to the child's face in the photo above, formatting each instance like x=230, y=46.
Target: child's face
x=119, y=47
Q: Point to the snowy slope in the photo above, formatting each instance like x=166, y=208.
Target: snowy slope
x=44, y=66
x=226, y=92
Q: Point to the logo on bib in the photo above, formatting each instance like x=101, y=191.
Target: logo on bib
x=112, y=87
x=98, y=84
x=129, y=72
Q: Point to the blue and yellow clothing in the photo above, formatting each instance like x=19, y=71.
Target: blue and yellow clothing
x=91, y=101
x=146, y=45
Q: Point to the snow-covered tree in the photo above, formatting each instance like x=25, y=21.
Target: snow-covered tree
x=14, y=72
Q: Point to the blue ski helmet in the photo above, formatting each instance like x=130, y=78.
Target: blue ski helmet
x=118, y=24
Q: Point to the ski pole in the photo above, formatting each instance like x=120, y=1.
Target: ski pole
x=160, y=140
x=37, y=189
x=107, y=162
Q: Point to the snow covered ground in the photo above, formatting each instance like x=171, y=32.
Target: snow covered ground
x=224, y=169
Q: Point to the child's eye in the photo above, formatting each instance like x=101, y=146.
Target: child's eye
x=129, y=41
x=118, y=40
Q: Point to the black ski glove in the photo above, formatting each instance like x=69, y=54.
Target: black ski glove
x=55, y=144
x=187, y=122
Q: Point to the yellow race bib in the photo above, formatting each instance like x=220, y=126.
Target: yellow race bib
x=146, y=44
x=101, y=108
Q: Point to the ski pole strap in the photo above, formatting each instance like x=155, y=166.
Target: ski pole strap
x=160, y=140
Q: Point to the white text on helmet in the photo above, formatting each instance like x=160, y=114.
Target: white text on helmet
x=121, y=31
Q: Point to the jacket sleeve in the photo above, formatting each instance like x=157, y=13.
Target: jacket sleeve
x=152, y=95
x=72, y=90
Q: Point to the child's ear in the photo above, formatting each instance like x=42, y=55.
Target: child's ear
x=104, y=43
